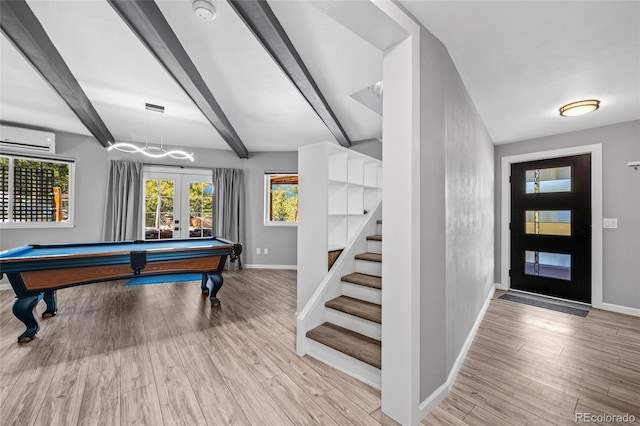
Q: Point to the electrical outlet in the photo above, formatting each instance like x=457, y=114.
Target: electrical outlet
x=266, y=251
x=257, y=251
x=610, y=223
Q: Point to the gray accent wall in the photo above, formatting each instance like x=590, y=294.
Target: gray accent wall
x=621, y=200
x=92, y=167
x=457, y=214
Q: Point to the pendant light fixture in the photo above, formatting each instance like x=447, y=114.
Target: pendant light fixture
x=575, y=109
x=148, y=150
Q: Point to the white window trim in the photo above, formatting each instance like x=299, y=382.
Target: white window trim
x=72, y=193
x=267, y=201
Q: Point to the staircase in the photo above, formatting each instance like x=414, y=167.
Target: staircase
x=353, y=319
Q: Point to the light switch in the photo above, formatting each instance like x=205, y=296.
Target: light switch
x=610, y=223
x=257, y=251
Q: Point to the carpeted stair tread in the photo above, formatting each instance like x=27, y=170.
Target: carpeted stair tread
x=371, y=257
x=374, y=237
x=356, y=307
x=349, y=342
x=363, y=279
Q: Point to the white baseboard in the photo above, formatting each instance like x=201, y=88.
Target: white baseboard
x=258, y=266
x=500, y=286
x=441, y=393
x=620, y=309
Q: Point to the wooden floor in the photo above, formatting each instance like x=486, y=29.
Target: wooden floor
x=534, y=366
x=159, y=354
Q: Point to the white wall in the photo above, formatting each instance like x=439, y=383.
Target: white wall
x=438, y=219
x=621, y=200
x=92, y=167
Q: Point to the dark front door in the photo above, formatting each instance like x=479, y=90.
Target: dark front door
x=551, y=227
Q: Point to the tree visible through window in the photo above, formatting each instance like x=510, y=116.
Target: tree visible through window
x=281, y=198
x=34, y=190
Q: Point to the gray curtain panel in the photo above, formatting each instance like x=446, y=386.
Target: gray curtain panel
x=228, y=208
x=122, y=216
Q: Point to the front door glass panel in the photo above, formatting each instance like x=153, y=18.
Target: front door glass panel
x=554, y=179
x=550, y=265
x=548, y=222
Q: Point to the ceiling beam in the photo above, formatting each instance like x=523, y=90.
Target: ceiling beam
x=146, y=20
x=261, y=20
x=21, y=26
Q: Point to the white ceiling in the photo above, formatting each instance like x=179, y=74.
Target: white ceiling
x=519, y=60
x=522, y=60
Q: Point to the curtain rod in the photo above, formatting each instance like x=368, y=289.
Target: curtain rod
x=177, y=167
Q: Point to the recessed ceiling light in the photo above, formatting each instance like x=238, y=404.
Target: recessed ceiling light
x=204, y=10
x=579, y=108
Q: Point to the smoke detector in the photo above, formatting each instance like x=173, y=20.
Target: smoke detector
x=204, y=10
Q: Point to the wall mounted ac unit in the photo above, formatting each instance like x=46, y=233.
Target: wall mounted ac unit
x=18, y=139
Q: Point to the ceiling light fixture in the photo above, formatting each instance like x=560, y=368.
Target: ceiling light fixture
x=152, y=151
x=204, y=10
x=575, y=109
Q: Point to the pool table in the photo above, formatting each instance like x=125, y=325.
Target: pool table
x=37, y=271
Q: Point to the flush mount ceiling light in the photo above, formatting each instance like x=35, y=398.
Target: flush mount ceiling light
x=575, y=109
x=204, y=10
x=151, y=151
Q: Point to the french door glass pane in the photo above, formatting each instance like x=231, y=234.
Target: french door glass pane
x=200, y=209
x=159, y=214
x=548, y=222
x=554, y=179
x=550, y=265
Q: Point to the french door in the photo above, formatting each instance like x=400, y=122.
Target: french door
x=551, y=227
x=177, y=205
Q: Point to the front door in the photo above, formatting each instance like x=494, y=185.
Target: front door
x=551, y=227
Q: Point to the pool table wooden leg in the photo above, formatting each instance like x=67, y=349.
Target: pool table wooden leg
x=214, y=284
x=52, y=304
x=23, y=310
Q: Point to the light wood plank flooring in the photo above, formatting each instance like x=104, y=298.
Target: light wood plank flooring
x=534, y=366
x=158, y=354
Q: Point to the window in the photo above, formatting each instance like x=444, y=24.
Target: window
x=281, y=199
x=35, y=192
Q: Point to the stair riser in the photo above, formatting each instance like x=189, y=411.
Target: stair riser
x=353, y=323
x=343, y=362
x=361, y=292
x=368, y=267
x=379, y=229
x=374, y=246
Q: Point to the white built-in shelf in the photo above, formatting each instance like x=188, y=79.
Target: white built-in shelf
x=354, y=186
